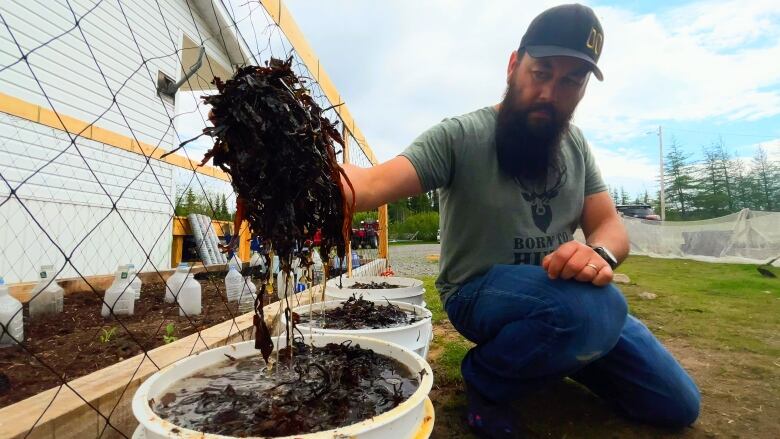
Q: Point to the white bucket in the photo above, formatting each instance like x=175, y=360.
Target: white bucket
x=411, y=290
x=416, y=337
x=411, y=419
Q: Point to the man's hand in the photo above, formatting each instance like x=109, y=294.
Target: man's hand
x=575, y=260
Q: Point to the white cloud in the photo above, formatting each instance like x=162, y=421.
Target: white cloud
x=772, y=148
x=402, y=66
x=685, y=65
x=627, y=168
x=435, y=60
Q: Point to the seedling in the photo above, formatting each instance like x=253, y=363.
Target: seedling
x=106, y=336
x=168, y=337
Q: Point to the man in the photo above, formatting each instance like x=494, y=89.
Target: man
x=515, y=181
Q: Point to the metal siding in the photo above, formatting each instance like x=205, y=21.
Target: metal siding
x=62, y=199
x=68, y=198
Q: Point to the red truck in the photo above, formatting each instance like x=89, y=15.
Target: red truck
x=366, y=235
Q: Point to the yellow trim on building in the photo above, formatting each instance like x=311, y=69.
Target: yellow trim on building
x=44, y=116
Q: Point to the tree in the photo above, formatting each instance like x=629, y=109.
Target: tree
x=624, y=197
x=765, y=177
x=723, y=161
x=678, y=179
x=190, y=202
x=615, y=196
x=398, y=211
x=420, y=203
x=223, y=210
x=743, y=185
x=711, y=197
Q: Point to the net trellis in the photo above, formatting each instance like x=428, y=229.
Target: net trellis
x=82, y=184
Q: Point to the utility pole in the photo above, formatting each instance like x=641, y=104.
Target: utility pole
x=661, y=159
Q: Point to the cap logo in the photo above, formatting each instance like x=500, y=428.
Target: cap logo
x=595, y=40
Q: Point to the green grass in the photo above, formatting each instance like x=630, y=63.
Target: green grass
x=726, y=307
x=448, y=365
x=723, y=306
x=726, y=313
x=432, y=299
x=412, y=242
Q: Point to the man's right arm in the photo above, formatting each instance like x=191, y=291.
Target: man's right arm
x=381, y=184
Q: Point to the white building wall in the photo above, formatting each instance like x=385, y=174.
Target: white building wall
x=87, y=207
x=61, y=208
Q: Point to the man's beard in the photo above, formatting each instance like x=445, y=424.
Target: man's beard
x=528, y=153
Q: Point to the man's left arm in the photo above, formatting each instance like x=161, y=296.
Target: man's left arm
x=603, y=228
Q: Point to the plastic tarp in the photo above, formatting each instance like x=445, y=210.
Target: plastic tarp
x=747, y=236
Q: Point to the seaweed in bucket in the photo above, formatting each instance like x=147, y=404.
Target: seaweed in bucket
x=323, y=388
x=357, y=313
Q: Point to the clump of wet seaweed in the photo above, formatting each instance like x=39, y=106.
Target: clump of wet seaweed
x=271, y=137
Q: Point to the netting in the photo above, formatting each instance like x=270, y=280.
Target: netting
x=89, y=104
x=744, y=237
x=748, y=236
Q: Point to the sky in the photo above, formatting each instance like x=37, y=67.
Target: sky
x=702, y=70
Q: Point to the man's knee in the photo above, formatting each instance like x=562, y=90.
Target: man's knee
x=602, y=323
x=680, y=410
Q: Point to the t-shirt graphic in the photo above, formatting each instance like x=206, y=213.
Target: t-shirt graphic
x=540, y=202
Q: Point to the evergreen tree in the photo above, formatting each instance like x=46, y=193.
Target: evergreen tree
x=624, y=197
x=765, y=177
x=679, y=180
x=190, y=202
x=420, y=203
x=723, y=161
x=711, y=198
x=223, y=210
x=743, y=185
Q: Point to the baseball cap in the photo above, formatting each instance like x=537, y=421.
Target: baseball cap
x=566, y=30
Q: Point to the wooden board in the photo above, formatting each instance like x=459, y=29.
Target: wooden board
x=110, y=390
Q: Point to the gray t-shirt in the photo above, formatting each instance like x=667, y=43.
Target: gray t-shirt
x=487, y=218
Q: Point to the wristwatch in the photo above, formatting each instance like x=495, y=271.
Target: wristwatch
x=607, y=256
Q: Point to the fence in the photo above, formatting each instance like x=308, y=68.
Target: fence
x=88, y=107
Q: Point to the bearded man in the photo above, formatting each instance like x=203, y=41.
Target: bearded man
x=515, y=181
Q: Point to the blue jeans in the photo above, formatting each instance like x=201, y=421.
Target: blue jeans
x=530, y=330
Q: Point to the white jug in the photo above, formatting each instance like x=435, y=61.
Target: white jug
x=246, y=301
x=120, y=296
x=233, y=284
x=189, y=297
x=46, y=296
x=135, y=281
x=175, y=281
x=11, y=319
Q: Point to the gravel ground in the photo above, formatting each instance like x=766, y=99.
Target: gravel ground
x=411, y=260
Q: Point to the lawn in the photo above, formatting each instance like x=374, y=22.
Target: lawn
x=411, y=242
x=722, y=321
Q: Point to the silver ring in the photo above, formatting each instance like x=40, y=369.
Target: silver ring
x=593, y=266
